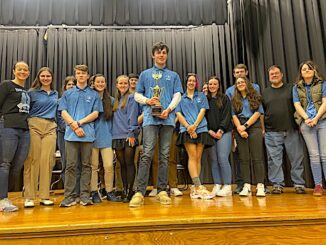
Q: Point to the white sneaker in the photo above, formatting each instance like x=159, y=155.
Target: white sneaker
x=7, y=206
x=175, y=192
x=216, y=189
x=225, y=191
x=246, y=190
x=193, y=193
x=153, y=193
x=29, y=203
x=46, y=202
x=260, y=190
x=204, y=193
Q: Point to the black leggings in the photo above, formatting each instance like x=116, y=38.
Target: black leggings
x=126, y=158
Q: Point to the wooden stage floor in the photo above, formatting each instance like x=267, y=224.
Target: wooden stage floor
x=277, y=219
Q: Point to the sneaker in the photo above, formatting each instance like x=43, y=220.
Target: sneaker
x=204, y=193
x=137, y=200
x=163, y=198
x=96, y=197
x=299, y=190
x=225, y=191
x=67, y=203
x=29, y=203
x=7, y=206
x=193, y=193
x=85, y=201
x=153, y=193
x=246, y=190
x=111, y=196
x=318, y=191
x=238, y=189
x=277, y=189
x=216, y=189
x=46, y=202
x=260, y=190
x=175, y=192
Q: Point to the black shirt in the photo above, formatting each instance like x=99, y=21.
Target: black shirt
x=219, y=118
x=279, y=108
x=14, y=105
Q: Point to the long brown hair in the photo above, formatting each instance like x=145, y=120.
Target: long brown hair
x=317, y=76
x=37, y=83
x=106, y=100
x=219, y=95
x=253, y=97
x=118, y=95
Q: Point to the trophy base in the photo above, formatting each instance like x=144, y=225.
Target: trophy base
x=156, y=110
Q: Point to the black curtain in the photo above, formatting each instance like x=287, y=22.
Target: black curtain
x=113, y=12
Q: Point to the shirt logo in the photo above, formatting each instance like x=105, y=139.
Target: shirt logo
x=24, y=102
x=88, y=99
x=168, y=77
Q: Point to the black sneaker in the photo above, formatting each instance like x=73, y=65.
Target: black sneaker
x=103, y=193
x=299, y=190
x=277, y=189
x=238, y=189
x=95, y=197
x=110, y=196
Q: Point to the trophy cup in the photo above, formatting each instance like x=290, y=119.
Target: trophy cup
x=157, y=109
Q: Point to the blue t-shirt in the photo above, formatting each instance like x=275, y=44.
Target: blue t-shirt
x=230, y=91
x=79, y=103
x=246, y=111
x=310, y=110
x=43, y=105
x=169, y=83
x=103, y=131
x=190, y=109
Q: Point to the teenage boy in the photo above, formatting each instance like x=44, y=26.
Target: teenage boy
x=79, y=107
x=157, y=128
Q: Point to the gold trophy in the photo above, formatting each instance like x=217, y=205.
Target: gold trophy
x=157, y=109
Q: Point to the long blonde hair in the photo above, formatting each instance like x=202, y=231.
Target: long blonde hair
x=118, y=95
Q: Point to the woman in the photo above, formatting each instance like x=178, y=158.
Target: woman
x=205, y=89
x=14, y=107
x=193, y=133
x=124, y=133
x=69, y=83
x=220, y=128
x=103, y=143
x=40, y=161
x=247, y=108
x=309, y=97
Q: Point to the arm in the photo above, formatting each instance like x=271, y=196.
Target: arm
x=141, y=99
x=320, y=113
x=174, y=103
x=238, y=126
x=302, y=113
x=192, y=128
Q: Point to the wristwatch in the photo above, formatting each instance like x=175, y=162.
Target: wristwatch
x=246, y=125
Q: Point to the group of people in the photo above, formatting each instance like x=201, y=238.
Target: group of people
x=91, y=126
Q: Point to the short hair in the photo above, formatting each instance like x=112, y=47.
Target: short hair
x=240, y=66
x=133, y=75
x=17, y=62
x=82, y=67
x=159, y=46
x=274, y=67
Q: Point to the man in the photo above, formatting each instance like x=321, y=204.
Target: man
x=133, y=80
x=240, y=70
x=156, y=128
x=281, y=131
x=79, y=107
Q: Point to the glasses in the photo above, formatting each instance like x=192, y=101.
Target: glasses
x=240, y=82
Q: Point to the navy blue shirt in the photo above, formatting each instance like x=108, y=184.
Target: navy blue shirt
x=79, y=103
x=190, y=109
x=169, y=83
x=43, y=104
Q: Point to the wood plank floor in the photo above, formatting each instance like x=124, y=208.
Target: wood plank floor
x=277, y=219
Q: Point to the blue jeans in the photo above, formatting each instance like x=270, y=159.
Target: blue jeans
x=315, y=139
x=15, y=146
x=293, y=145
x=150, y=135
x=219, y=153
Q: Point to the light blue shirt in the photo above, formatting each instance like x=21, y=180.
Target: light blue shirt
x=190, y=109
x=310, y=110
x=43, y=105
x=79, y=103
x=169, y=83
x=230, y=91
x=246, y=111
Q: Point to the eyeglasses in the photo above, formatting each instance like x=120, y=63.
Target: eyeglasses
x=240, y=82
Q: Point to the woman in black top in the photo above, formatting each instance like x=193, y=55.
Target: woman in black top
x=220, y=127
x=14, y=106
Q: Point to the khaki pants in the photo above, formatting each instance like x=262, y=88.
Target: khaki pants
x=107, y=157
x=41, y=159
